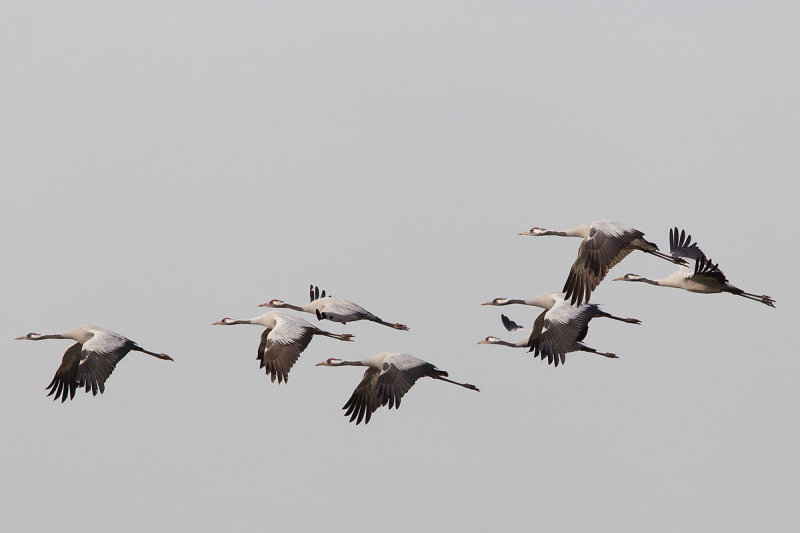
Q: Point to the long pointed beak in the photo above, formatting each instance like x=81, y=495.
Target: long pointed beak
x=622, y=278
x=23, y=338
x=487, y=303
x=524, y=233
x=323, y=363
x=263, y=305
x=220, y=323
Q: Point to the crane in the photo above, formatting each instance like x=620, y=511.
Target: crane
x=547, y=300
x=604, y=244
x=561, y=342
x=387, y=379
x=90, y=361
x=334, y=309
x=282, y=341
x=705, y=277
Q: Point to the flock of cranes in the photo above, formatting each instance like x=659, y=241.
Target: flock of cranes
x=558, y=330
x=564, y=323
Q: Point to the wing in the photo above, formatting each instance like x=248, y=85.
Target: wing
x=563, y=325
x=282, y=345
x=510, y=325
x=606, y=245
x=400, y=372
x=536, y=333
x=343, y=311
x=314, y=293
x=66, y=379
x=681, y=245
x=704, y=268
x=99, y=357
x=364, y=401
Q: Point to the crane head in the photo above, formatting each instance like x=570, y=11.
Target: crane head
x=224, y=322
x=28, y=337
x=497, y=301
x=274, y=303
x=489, y=340
x=533, y=232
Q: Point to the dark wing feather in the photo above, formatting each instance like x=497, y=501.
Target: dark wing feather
x=364, y=401
x=681, y=245
x=399, y=375
x=706, y=268
x=96, y=367
x=536, y=334
x=65, y=380
x=277, y=357
x=509, y=324
x=597, y=254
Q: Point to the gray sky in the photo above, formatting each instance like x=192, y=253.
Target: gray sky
x=166, y=166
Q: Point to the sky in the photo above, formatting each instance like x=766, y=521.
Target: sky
x=164, y=165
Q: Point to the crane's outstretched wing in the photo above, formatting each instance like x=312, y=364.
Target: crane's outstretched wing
x=510, y=325
x=563, y=325
x=65, y=380
x=99, y=357
x=681, y=245
x=400, y=372
x=606, y=246
x=343, y=311
x=282, y=345
x=314, y=293
x=364, y=401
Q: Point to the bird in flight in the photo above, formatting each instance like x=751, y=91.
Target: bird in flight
x=90, y=361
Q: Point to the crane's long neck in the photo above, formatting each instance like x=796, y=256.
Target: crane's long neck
x=500, y=342
x=304, y=308
x=37, y=337
x=545, y=301
x=581, y=231
x=345, y=363
x=509, y=301
x=656, y=282
x=232, y=322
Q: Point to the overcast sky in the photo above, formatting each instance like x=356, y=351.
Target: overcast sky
x=164, y=166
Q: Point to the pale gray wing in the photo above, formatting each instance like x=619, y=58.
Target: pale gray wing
x=364, y=401
x=343, y=311
x=65, y=381
x=563, y=325
x=99, y=358
x=681, y=245
x=606, y=246
x=282, y=345
x=400, y=372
